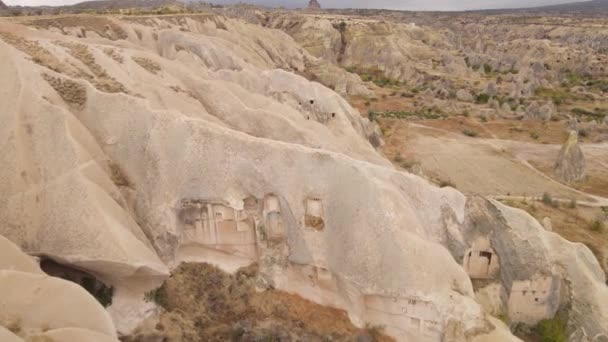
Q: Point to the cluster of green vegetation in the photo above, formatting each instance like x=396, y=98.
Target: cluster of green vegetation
x=376, y=76
x=103, y=294
x=597, y=225
x=548, y=200
x=482, y=98
x=158, y=296
x=470, y=133
x=558, y=95
x=551, y=330
x=585, y=112
x=341, y=27
x=487, y=68
x=429, y=114
x=601, y=85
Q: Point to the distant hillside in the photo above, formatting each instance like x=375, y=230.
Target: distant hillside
x=118, y=4
x=599, y=7
x=2, y=5
x=585, y=6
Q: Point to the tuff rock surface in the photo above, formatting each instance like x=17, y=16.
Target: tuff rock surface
x=132, y=144
x=570, y=165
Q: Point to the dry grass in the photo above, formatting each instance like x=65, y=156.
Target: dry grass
x=75, y=94
x=101, y=80
x=147, y=64
x=205, y=304
x=119, y=178
x=179, y=89
x=114, y=55
x=11, y=324
x=39, y=55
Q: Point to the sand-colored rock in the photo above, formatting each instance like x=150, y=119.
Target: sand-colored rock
x=36, y=306
x=314, y=4
x=11, y=258
x=6, y=335
x=73, y=334
x=226, y=155
x=570, y=165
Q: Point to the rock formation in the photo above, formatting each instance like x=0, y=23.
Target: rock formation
x=63, y=310
x=132, y=144
x=570, y=166
x=2, y=5
x=464, y=96
x=314, y=5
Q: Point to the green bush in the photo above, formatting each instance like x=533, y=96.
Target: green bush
x=470, y=133
x=597, y=225
x=534, y=135
x=446, y=183
x=158, y=296
x=551, y=330
x=482, y=98
x=487, y=68
x=547, y=199
x=372, y=116
x=398, y=158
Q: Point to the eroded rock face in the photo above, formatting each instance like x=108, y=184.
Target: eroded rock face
x=464, y=96
x=570, y=165
x=314, y=4
x=37, y=306
x=245, y=161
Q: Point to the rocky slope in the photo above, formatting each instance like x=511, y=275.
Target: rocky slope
x=45, y=308
x=133, y=144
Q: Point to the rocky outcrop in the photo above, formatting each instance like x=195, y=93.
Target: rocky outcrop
x=570, y=166
x=36, y=306
x=314, y=5
x=224, y=154
x=464, y=96
x=535, y=111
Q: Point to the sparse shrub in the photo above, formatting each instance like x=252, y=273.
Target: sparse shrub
x=547, y=199
x=573, y=203
x=158, y=296
x=466, y=114
x=487, y=68
x=597, y=225
x=583, y=133
x=470, y=133
x=482, y=98
x=375, y=331
x=372, y=116
x=341, y=27
x=446, y=183
x=398, y=158
x=534, y=135
x=483, y=118
x=551, y=330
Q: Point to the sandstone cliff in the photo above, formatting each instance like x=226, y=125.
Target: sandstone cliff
x=570, y=165
x=131, y=145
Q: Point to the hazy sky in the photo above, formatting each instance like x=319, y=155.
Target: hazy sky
x=446, y=5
